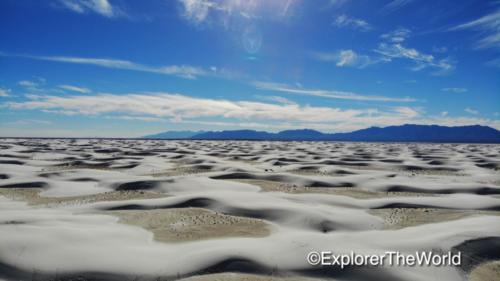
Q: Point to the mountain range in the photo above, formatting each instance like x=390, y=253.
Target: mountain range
x=403, y=133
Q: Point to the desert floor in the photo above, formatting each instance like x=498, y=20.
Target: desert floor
x=243, y=210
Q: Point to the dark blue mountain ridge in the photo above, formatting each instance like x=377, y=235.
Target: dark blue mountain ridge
x=402, y=133
x=424, y=133
x=174, y=135
x=302, y=134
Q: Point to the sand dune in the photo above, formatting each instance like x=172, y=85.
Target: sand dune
x=241, y=210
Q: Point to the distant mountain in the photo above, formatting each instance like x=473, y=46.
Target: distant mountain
x=174, y=135
x=424, y=133
x=304, y=134
x=404, y=133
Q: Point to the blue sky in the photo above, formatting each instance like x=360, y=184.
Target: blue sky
x=117, y=68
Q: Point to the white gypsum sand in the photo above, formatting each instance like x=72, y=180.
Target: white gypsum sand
x=242, y=210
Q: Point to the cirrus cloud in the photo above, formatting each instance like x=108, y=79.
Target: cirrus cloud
x=355, y=23
x=183, y=71
x=333, y=94
x=75, y=89
x=101, y=7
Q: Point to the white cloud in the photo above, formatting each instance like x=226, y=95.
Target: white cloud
x=444, y=113
x=139, y=118
x=27, y=83
x=454, y=90
x=101, y=7
x=489, y=25
x=407, y=111
x=222, y=11
x=197, y=10
x=347, y=21
x=471, y=111
x=396, y=36
x=345, y=58
x=389, y=49
x=183, y=71
x=4, y=92
x=392, y=48
x=277, y=99
x=179, y=108
x=398, y=51
x=395, y=5
x=333, y=94
x=75, y=89
x=176, y=108
x=459, y=121
x=33, y=85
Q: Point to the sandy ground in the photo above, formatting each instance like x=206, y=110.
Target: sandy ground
x=485, y=272
x=398, y=218
x=32, y=196
x=240, y=210
x=189, y=224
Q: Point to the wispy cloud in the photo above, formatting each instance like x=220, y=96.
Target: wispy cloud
x=197, y=10
x=392, y=48
x=345, y=58
x=347, y=21
x=137, y=118
x=183, y=71
x=395, y=5
x=397, y=36
x=337, y=3
x=471, y=111
x=75, y=89
x=4, y=92
x=488, y=25
x=277, y=99
x=454, y=90
x=101, y=7
x=27, y=83
x=284, y=88
x=221, y=11
x=33, y=85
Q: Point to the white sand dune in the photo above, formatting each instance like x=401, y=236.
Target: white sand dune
x=86, y=239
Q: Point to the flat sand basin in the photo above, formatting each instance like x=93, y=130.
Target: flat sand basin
x=32, y=196
x=397, y=218
x=190, y=224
